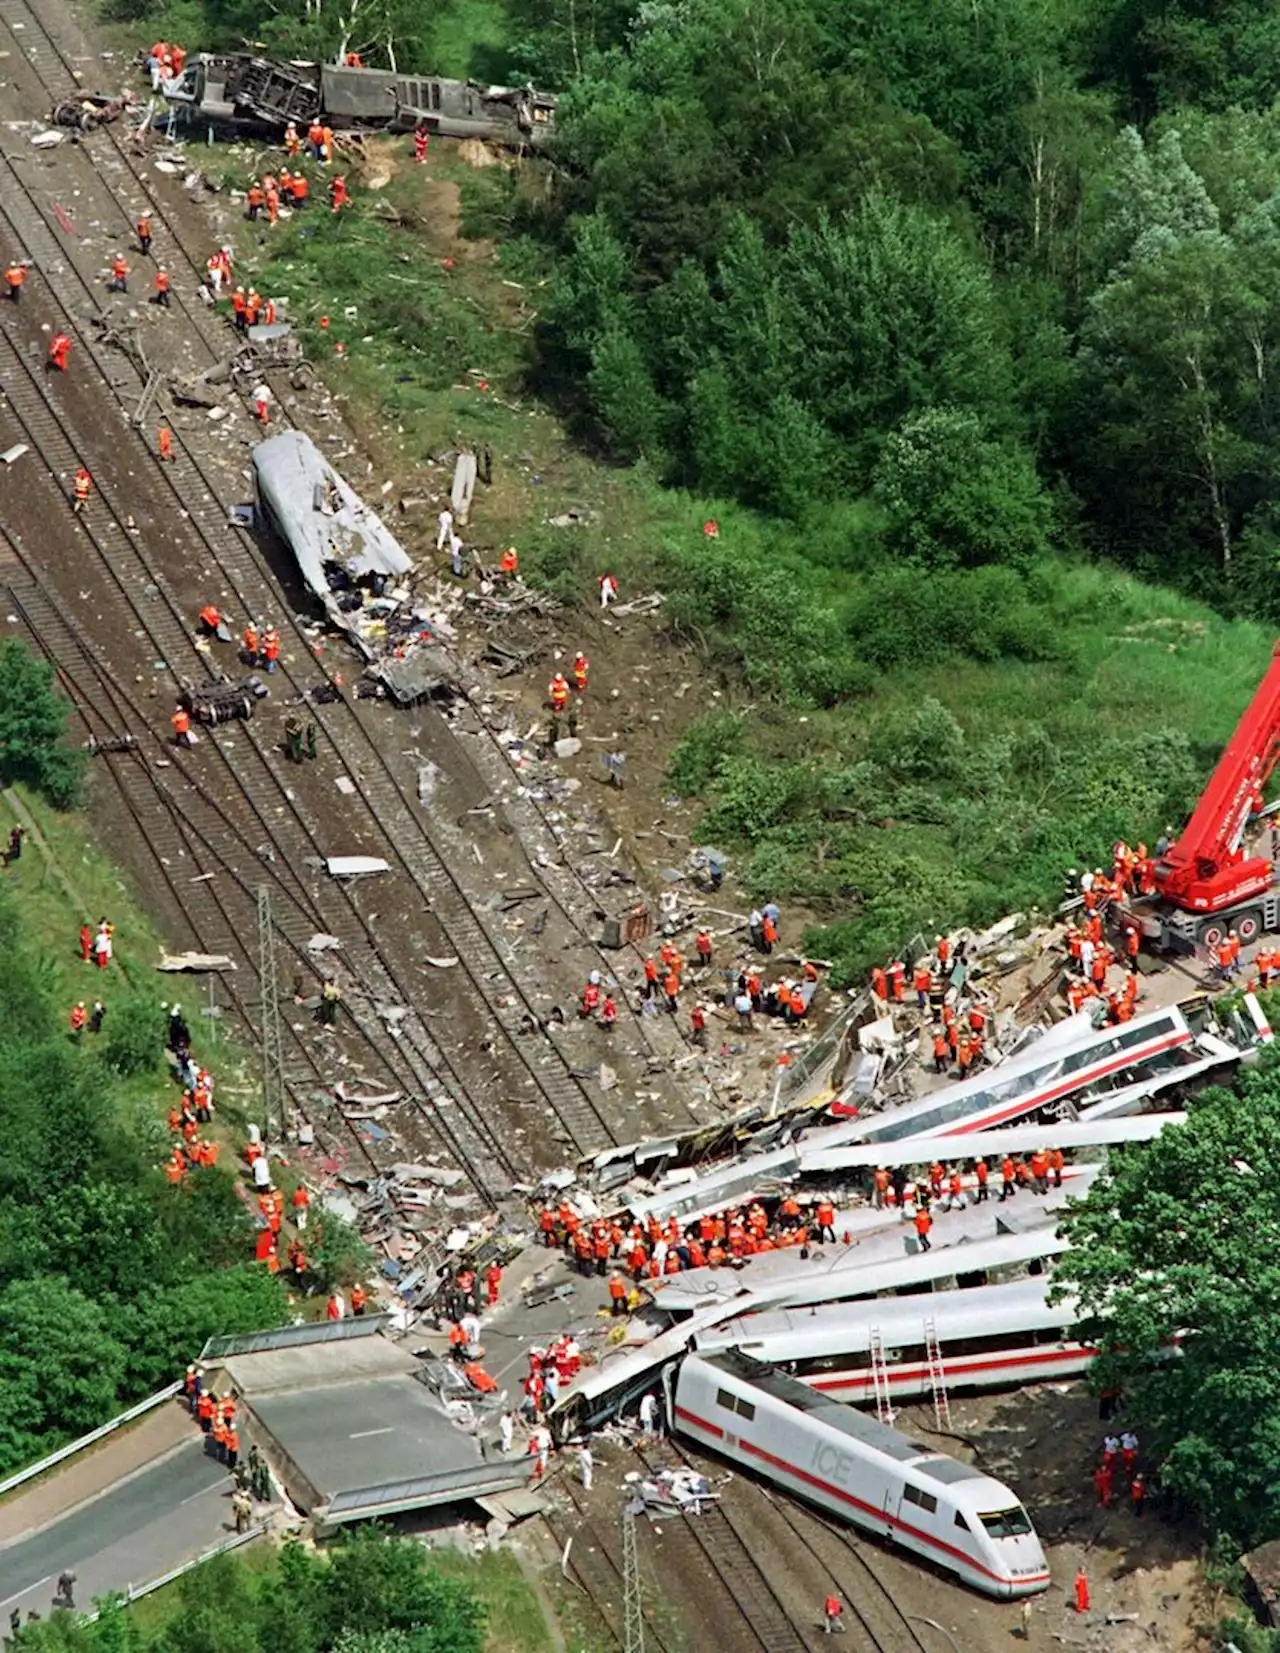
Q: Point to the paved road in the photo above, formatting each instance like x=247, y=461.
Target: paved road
x=164, y=1515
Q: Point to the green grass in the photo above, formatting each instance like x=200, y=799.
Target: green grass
x=516, y=1620
x=64, y=878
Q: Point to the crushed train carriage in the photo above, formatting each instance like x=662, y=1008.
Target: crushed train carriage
x=242, y=88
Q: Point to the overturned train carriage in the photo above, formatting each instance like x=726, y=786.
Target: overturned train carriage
x=243, y=88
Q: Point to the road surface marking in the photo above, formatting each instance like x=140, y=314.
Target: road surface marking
x=218, y=1487
x=363, y=1434
x=27, y=1591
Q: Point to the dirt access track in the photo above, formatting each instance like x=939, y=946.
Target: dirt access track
x=112, y=598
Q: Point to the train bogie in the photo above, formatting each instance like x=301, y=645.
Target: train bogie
x=860, y=1471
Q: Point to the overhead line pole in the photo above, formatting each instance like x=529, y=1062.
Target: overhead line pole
x=269, y=1029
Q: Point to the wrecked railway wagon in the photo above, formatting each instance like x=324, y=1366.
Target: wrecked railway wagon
x=346, y=554
x=238, y=87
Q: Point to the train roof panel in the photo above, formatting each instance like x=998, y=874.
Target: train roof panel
x=983, y=1236
x=949, y=1471
x=833, y=1413
x=845, y=1328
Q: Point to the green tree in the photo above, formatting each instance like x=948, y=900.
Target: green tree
x=952, y=494
x=1179, y=405
x=33, y=728
x=375, y=1583
x=60, y=1368
x=1177, y=1239
x=169, y=1326
x=131, y=1042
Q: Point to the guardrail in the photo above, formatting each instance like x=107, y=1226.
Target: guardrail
x=70, y=1451
x=133, y=1593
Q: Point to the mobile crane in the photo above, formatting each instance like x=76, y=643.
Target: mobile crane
x=1209, y=880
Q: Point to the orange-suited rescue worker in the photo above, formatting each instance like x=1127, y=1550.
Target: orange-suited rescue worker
x=59, y=350
x=79, y=1016
x=338, y=192
x=162, y=288
x=292, y=142
x=143, y=227
x=181, y=721
x=83, y=487
x=558, y=691
x=271, y=647
x=210, y=620
x=119, y=282
x=359, y=1298
x=581, y=668
x=15, y=274
x=421, y=140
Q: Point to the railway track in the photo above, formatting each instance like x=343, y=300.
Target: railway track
x=603, y=1584
x=885, y=1626
x=764, y=1613
x=249, y=779
x=408, y=839
x=169, y=818
x=405, y=838
x=662, y=1041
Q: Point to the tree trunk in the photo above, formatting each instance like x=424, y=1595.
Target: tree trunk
x=1209, y=460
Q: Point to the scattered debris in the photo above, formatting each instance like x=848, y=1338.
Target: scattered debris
x=355, y=866
x=673, y=1492
x=195, y=962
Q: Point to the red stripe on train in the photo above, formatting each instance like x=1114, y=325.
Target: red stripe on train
x=954, y=1370
x=858, y=1503
x=1139, y=1053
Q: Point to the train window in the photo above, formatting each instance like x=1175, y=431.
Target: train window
x=1010, y=1523
x=735, y=1403
x=961, y=1522
x=927, y=1502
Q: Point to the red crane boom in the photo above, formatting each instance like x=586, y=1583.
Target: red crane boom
x=1207, y=869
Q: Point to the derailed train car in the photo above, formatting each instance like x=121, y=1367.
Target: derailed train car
x=858, y=1470
x=241, y=88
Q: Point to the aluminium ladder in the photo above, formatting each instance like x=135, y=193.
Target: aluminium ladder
x=937, y=1376
x=880, y=1378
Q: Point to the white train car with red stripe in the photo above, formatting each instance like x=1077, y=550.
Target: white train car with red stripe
x=858, y=1470
x=986, y=1337
x=1065, y=1064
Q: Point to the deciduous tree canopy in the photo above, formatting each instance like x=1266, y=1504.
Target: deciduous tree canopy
x=1179, y=1240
